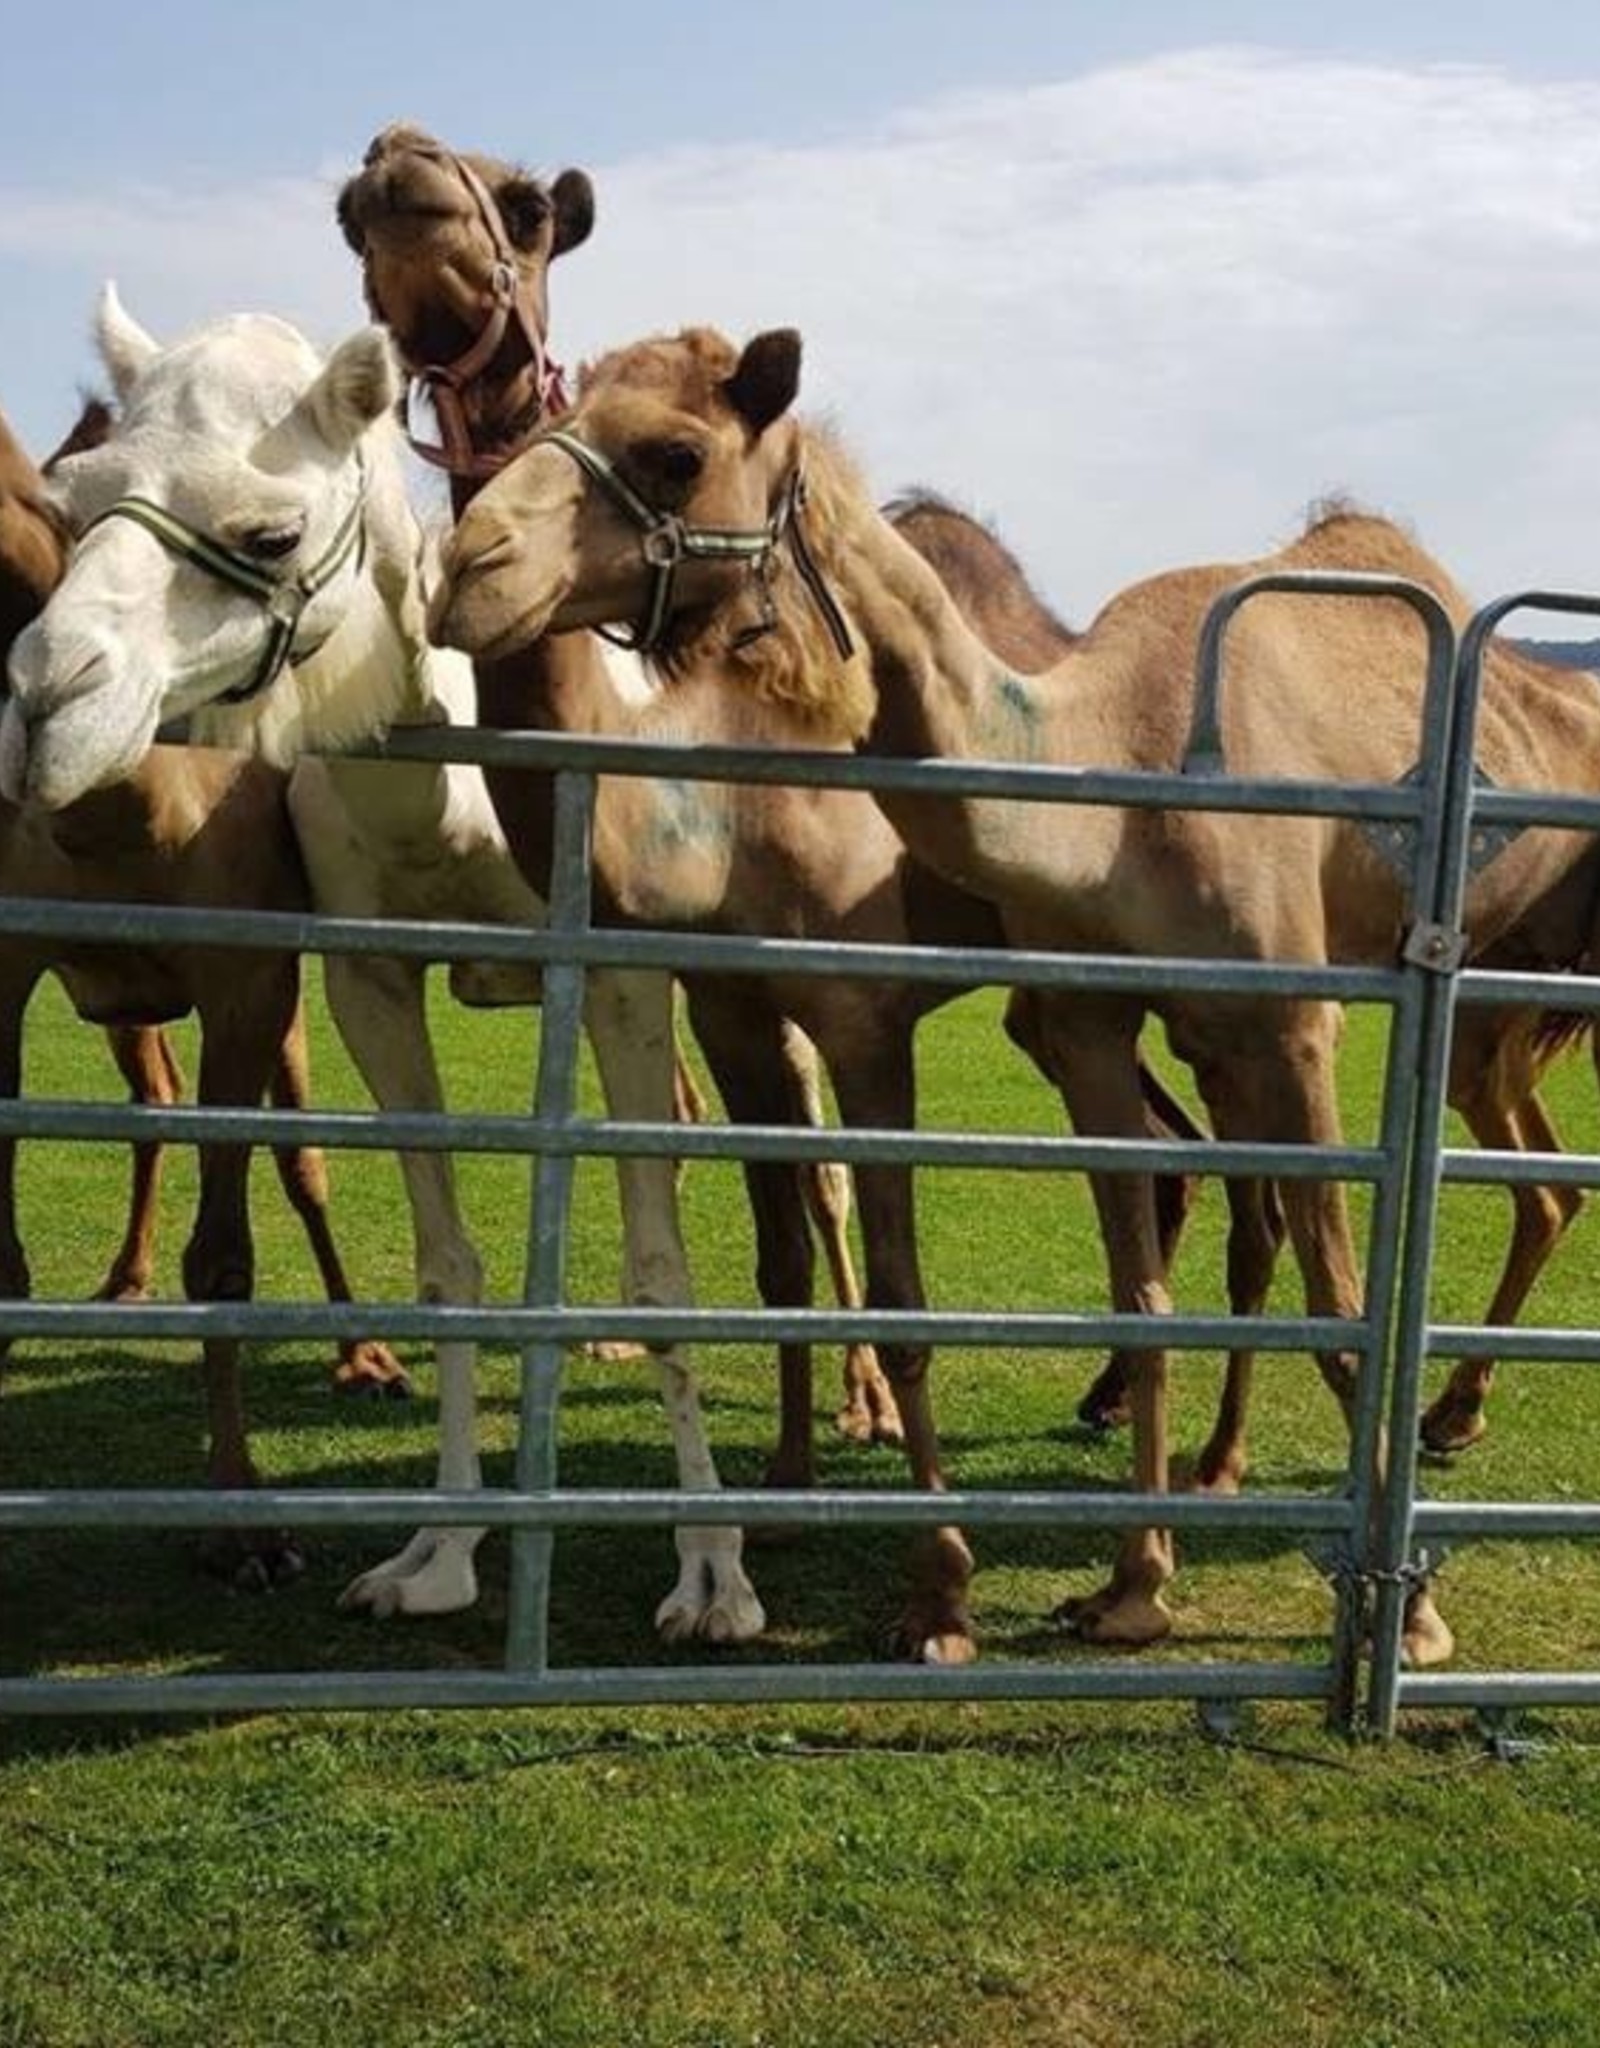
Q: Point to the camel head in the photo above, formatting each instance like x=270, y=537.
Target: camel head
x=220, y=538
x=670, y=440
x=455, y=253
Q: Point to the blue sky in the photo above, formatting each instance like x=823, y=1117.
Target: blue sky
x=1138, y=280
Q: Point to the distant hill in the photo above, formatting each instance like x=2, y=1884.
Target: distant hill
x=1563, y=653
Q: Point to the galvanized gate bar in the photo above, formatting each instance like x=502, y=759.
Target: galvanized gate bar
x=584, y=1137
x=534, y=1508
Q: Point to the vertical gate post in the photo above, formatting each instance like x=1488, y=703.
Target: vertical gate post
x=1436, y=948
x=1349, y=1563
x=544, y=1286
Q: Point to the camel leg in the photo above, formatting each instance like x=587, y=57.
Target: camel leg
x=688, y=1107
x=1093, y=1051
x=146, y=1061
x=1256, y=1231
x=1456, y=1421
x=1285, y=1088
x=239, y=1040
x=629, y=1016
x=1105, y=1403
x=869, y=1414
x=742, y=1041
x=874, y=1081
x=380, y=1010
x=365, y=1365
x=15, y=1282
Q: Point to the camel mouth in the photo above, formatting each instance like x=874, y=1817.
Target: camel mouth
x=475, y=611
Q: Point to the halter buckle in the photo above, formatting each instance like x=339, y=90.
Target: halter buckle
x=286, y=604
x=663, y=545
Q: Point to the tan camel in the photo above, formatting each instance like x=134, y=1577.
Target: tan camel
x=431, y=228
x=1497, y=1059
x=455, y=252
x=188, y=828
x=704, y=431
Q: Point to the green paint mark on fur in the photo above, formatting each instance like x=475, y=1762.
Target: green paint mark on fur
x=689, y=816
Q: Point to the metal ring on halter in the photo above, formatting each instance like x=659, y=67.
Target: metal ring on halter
x=664, y=544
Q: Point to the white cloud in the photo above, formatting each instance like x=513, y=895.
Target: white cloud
x=1140, y=317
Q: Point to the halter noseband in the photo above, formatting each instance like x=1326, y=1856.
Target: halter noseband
x=511, y=298
x=284, y=598
x=665, y=541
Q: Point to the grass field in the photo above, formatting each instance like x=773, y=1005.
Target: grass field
x=1070, y=1875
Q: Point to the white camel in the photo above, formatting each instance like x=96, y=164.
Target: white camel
x=248, y=560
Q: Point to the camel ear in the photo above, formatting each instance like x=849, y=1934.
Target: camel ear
x=767, y=379
x=126, y=349
x=359, y=383
x=574, y=202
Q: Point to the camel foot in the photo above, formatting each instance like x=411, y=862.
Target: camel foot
x=1426, y=1639
x=919, y=1637
x=433, y=1574
x=122, y=1287
x=253, y=1560
x=1105, y=1406
x=1116, y=1614
x=863, y=1421
x=614, y=1350
x=370, y=1370
x=1452, y=1425
x=713, y=1599
x=1221, y=1475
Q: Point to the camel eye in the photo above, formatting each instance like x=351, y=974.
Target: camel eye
x=676, y=464
x=271, y=543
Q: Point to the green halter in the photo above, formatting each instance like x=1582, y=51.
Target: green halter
x=284, y=598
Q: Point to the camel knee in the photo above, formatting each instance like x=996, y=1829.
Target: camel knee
x=450, y=1272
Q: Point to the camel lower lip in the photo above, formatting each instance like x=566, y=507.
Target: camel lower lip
x=489, y=646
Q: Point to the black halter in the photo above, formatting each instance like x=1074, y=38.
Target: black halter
x=665, y=540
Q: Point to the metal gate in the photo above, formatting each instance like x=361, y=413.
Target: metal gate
x=1365, y=1530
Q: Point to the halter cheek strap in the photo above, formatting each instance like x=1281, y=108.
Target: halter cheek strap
x=665, y=540
x=283, y=598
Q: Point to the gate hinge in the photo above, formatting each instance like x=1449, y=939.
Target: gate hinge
x=1437, y=947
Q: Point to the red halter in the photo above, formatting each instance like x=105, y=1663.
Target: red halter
x=511, y=298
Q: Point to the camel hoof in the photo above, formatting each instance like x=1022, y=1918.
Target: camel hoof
x=713, y=1601
x=1427, y=1639
x=439, y=1581
x=1222, y=1478
x=614, y=1350
x=253, y=1560
x=1450, y=1427
x=120, y=1290
x=1100, y=1416
x=1116, y=1616
x=370, y=1371
x=920, y=1638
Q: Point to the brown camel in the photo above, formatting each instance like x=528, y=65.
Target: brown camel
x=1497, y=1059
x=431, y=227
x=704, y=430
x=455, y=252
x=191, y=827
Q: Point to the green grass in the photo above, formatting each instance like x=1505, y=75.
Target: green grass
x=1071, y=1875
